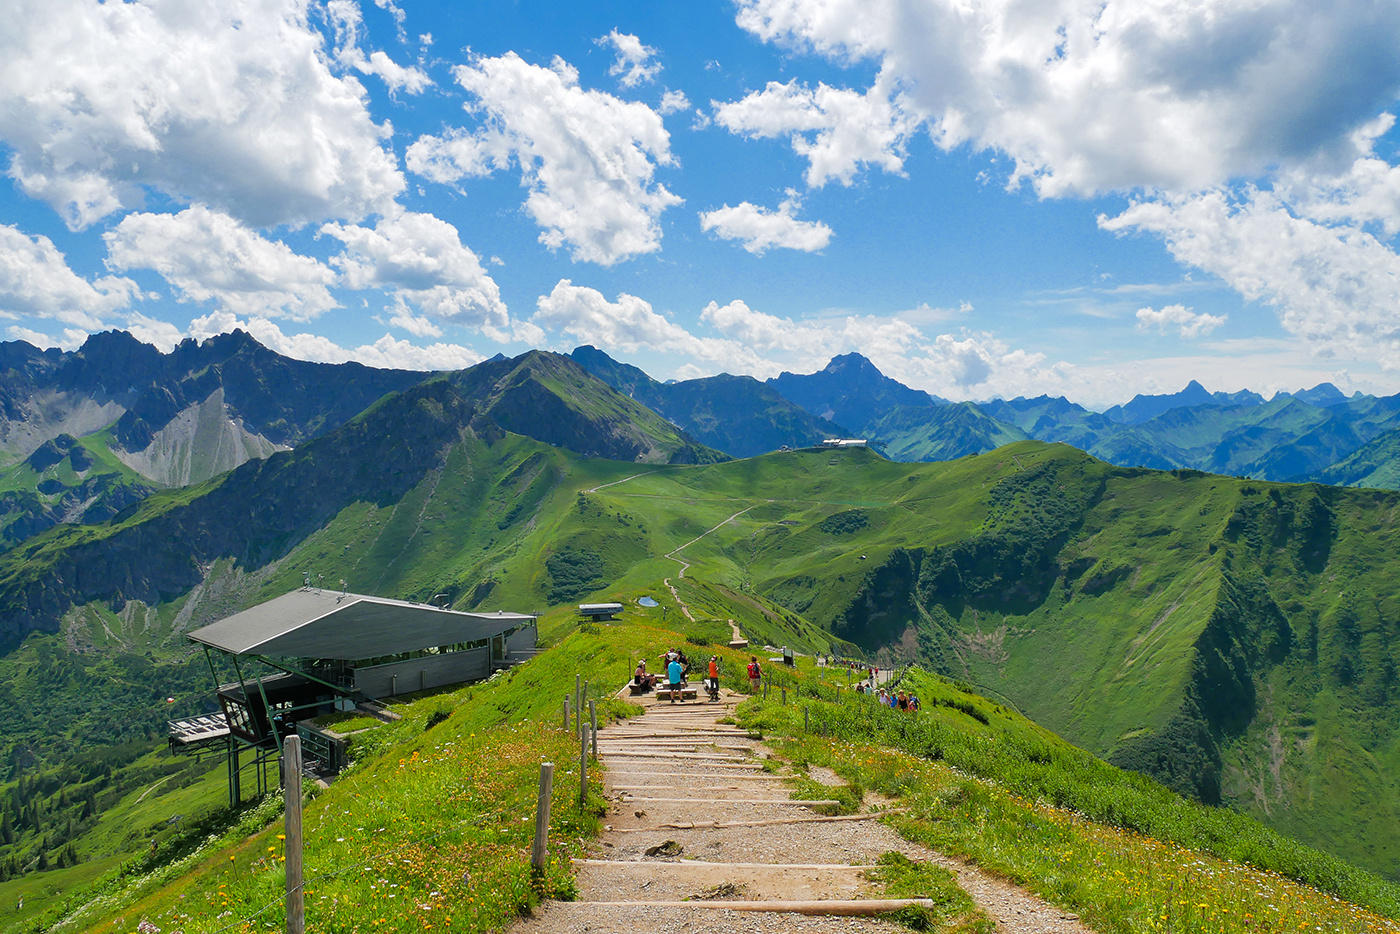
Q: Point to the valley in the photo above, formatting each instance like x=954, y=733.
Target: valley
x=1234, y=639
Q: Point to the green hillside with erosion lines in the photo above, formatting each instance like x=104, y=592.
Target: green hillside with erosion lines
x=1234, y=639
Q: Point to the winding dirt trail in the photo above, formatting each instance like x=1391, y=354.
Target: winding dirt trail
x=685, y=565
x=702, y=838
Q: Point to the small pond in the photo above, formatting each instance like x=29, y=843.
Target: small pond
x=648, y=601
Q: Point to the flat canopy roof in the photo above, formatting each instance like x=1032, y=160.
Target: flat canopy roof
x=312, y=623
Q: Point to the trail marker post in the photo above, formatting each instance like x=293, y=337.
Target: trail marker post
x=539, y=853
x=583, y=768
x=593, y=719
x=291, y=782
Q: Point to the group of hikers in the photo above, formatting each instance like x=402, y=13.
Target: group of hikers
x=903, y=700
x=676, y=668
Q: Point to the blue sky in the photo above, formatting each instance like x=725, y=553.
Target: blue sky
x=1080, y=198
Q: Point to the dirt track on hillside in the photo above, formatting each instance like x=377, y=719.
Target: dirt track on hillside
x=680, y=780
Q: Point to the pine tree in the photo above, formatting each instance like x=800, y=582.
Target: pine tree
x=7, y=830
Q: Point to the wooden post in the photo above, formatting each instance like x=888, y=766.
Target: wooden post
x=807, y=719
x=566, y=713
x=593, y=719
x=291, y=781
x=583, y=769
x=539, y=853
x=784, y=695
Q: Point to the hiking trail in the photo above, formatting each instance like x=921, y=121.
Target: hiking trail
x=701, y=838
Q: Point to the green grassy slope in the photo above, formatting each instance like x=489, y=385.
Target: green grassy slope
x=426, y=828
x=1233, y=638
x=1375, y=464
x=255, y=514
x=67, y=480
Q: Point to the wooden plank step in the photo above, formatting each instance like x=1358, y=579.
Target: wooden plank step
x=718, y=825
x=853, y=907
x=791, y=801
x=736, y=778
x=717, y=757
x=710, y=864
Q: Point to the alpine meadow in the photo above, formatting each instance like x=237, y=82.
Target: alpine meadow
x=765, y=466
x=1232, y=639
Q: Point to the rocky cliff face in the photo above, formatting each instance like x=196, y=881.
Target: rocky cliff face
x=174, y=419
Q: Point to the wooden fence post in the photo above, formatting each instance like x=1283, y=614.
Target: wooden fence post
x=566, y=713
x=583, y=768
x=539, y=853
x=582, y=723
x=593, y=718
x=291, y=782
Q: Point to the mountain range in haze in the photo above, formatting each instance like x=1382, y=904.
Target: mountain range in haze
x=85, y=434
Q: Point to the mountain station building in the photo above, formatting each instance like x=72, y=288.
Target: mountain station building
x=335, y=651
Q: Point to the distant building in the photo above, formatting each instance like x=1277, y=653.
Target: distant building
x=598, y=612
x=335, y=651
x=844, y=443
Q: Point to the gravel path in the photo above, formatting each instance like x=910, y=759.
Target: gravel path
x=675, y=772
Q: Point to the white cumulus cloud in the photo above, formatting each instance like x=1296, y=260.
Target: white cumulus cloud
x=36, y=281
x=629, y=324
x=1337, y=287
x=385, y=352
x=1090, y=96
x=587, y=158
x=72, y=338
x=230, y=103
x=209, y=256
x=761, y=229
x=1246, y=133
x=420, y=258
x=635, y=63
x=838, y=130
x=1191, y=324
x=348, y=22
x=674, y=102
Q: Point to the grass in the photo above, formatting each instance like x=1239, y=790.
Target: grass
x=987, y=785
x=1123, y=609
x=431, y=825
x=953, y=910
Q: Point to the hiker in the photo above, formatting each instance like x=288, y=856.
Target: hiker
x=903, y=701
x=640, y=677
x=712, y=682
x=676, y=675
x=913, y=702
x=755, y=674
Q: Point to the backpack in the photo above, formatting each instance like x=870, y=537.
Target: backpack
x=753, y=670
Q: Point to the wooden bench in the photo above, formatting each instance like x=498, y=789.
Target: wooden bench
x=663, y=691
x=636, y=688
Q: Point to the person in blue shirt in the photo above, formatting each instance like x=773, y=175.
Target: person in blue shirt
x=675, y=674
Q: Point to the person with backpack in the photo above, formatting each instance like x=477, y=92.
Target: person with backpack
x=755, y=674
x=712, y=682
